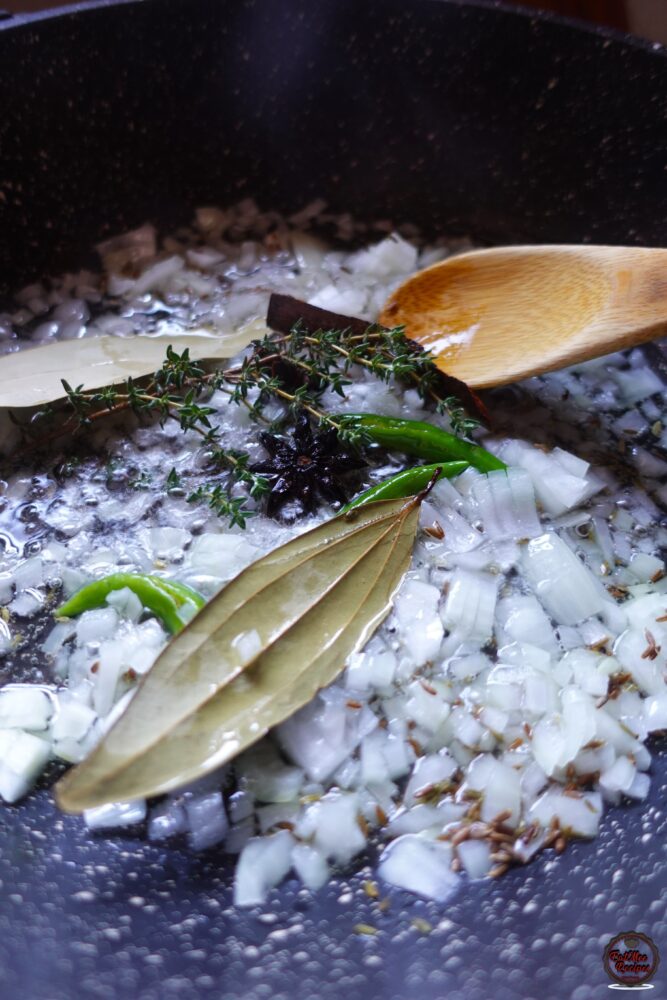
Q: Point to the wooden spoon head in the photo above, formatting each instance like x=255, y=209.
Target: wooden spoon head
x=494, y=316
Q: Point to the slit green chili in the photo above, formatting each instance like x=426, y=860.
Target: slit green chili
x=415, y=437
x=405, y=484
x=173, y=603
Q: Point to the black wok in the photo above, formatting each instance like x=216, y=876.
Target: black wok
x=461, y=117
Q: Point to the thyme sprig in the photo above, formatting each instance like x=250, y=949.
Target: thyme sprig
x=294, y=370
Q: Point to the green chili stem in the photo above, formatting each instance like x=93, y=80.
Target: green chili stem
x=405, y=484
x=173, y=603
x=415, y=437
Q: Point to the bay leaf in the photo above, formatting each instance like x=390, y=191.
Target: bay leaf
x=34, y=377
x=260, y=650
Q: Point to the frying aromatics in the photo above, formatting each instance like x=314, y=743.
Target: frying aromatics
x=504, y=703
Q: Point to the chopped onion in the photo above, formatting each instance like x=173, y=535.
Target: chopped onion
x=565, y=586
x=262, y=864
x=580, y=816
x=25, y=706
x=115, y=814
x=332, y=824
x=416, y=610
x=470, y=604
x=322, y=735
x=22, y=759
x=420, y=866
x=207, y=820
x=505, y=502
x=475, y=856
x=310, y=865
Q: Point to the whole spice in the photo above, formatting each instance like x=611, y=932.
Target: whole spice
x=415, y=437
x=406, y=483
x=306, y=469
x=173, y=603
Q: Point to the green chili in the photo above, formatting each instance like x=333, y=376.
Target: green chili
x=188, y=601
x=415, y=437
x=173, y=603
x=406, y=483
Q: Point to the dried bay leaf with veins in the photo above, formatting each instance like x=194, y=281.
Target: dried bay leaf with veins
x=34, y=377
x=306, y=606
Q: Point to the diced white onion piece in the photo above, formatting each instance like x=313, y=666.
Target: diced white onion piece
x=93, y=626
x=540, y=695
x=415, y=820
x=240, y=806
x=577, y=815
x=640, y=787
x=348, y=301
x=533, y=779
x=644, y=566
x=333, y=823
x=523, y=619
x=267, y=777
x=655, y=712
x=494, y=719
x=565, y=586
x=460, y=536
x=468, y=666
x=428, y=710
x=420, y=866
x=594, y=759
x=221, y=555
x=5, y=637
x=373, y=667
x=637, y=384
x=207, y=820
x=475, y=856
x=29, y=573
x=72, y=721
x=389, y=257
x=470, y=605
x=587, y=668
x=548, y=744
x=619, y=777
x=432, y=769
x=238, y=836
x=416, y=610
x=465, y=727
x=22, y=759
x=310, y=866
x=262, y=864
x=126, y=604
x=58, y=636
x=505, y=502
x=643, y=612
x=500, y=786
x=526, y=657
x=115, y=814
x=168, y=819
x=167, y=542
x=557, y=478
x=25, y=706
x=383, y=756
x=27, y=603
x=647, y=673
x=320, y=736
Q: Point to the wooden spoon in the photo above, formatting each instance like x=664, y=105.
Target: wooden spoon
x=495, y=316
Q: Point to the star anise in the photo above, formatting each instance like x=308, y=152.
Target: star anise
x=305, y=470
